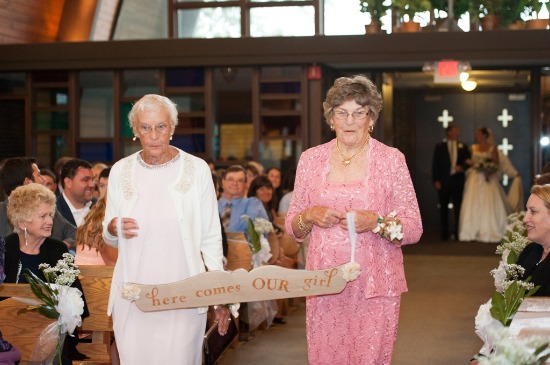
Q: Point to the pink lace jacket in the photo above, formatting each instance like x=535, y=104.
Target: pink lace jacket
x=386, y=188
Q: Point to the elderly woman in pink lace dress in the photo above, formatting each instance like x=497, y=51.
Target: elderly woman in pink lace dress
x=354, y=172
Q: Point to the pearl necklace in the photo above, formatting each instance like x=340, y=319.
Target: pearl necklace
x=159, y=166
x=346, y=160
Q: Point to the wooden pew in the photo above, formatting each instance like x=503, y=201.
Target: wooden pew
x=239, y=255
x=288, y=243
x=96, y=283
x=23, y=329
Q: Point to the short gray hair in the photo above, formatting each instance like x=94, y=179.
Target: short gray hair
x=357, y=88
x=152, y=101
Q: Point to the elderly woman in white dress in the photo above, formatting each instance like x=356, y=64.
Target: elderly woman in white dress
x=170, y=231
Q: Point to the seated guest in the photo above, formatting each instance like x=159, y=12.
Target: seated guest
x=57, y=170
x=103, y=181
x=275, y=176
x=77, y=179
x=9, y=355
x=262, y=188
x=542, y=179
x=97, y=167
x=288, y=188
x=90, y=246
x=31, y=212
x=534, y=257
x=49, y=178
x=17, y=171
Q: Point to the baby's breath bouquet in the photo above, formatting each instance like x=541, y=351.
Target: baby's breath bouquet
x=498, y=312
x=256, y=232
x=57, y=300
x=532, y=350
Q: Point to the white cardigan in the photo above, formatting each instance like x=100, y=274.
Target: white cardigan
x=196, y=206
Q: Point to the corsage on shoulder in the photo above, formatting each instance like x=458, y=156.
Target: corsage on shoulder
x=389, y=227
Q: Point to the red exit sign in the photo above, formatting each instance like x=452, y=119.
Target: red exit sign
x=447, y=72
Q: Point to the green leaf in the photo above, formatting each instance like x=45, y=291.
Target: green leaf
x=48, y=311
x=40, y=288
x=254, y=237
x=512, y=257
x=498, y=308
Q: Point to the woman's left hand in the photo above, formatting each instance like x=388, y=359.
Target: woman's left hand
x=223, y=316
x=365, y=220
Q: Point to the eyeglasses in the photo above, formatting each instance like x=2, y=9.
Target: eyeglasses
x=161, y=128
x=238, y=181
x=344, y=114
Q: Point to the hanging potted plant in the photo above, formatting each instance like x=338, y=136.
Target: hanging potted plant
x=376, y=10
x=407, y=9
x=533, y=9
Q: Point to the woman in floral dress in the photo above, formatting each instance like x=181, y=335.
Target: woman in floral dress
x=354, y=172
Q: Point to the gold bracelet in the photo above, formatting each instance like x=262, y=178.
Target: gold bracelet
x=302, y=226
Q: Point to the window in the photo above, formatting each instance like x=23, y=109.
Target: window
x=234, y=19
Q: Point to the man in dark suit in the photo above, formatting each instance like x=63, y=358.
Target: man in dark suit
x=77, y=179
x=451, y=159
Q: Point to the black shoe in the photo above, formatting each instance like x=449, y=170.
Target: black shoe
x=279, y=320
x=77, y=355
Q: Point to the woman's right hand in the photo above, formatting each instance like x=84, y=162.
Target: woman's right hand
x=323, y=216
x=129, y=227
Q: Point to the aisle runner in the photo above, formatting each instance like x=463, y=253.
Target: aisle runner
x=219, y=287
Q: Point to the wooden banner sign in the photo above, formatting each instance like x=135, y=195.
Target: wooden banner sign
x=239, y=286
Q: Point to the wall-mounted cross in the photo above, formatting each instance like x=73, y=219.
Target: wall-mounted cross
x=445, y=118
x=505, y=147
x=505, y=118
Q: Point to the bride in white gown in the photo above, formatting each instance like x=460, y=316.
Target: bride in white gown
x=485, y=204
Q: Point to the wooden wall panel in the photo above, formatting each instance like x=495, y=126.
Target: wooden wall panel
x=29, y=21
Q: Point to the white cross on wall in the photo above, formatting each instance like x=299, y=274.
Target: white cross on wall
x=505, y=118
x=445, y=118
x=505, y=147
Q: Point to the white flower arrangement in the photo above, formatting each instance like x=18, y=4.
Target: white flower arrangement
x=256, y=234
x=60, y=301
x=389, y=227
x=498, y=312
x=532, y=350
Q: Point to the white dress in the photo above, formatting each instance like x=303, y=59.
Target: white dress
x=484, y=205
x=156, y=256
